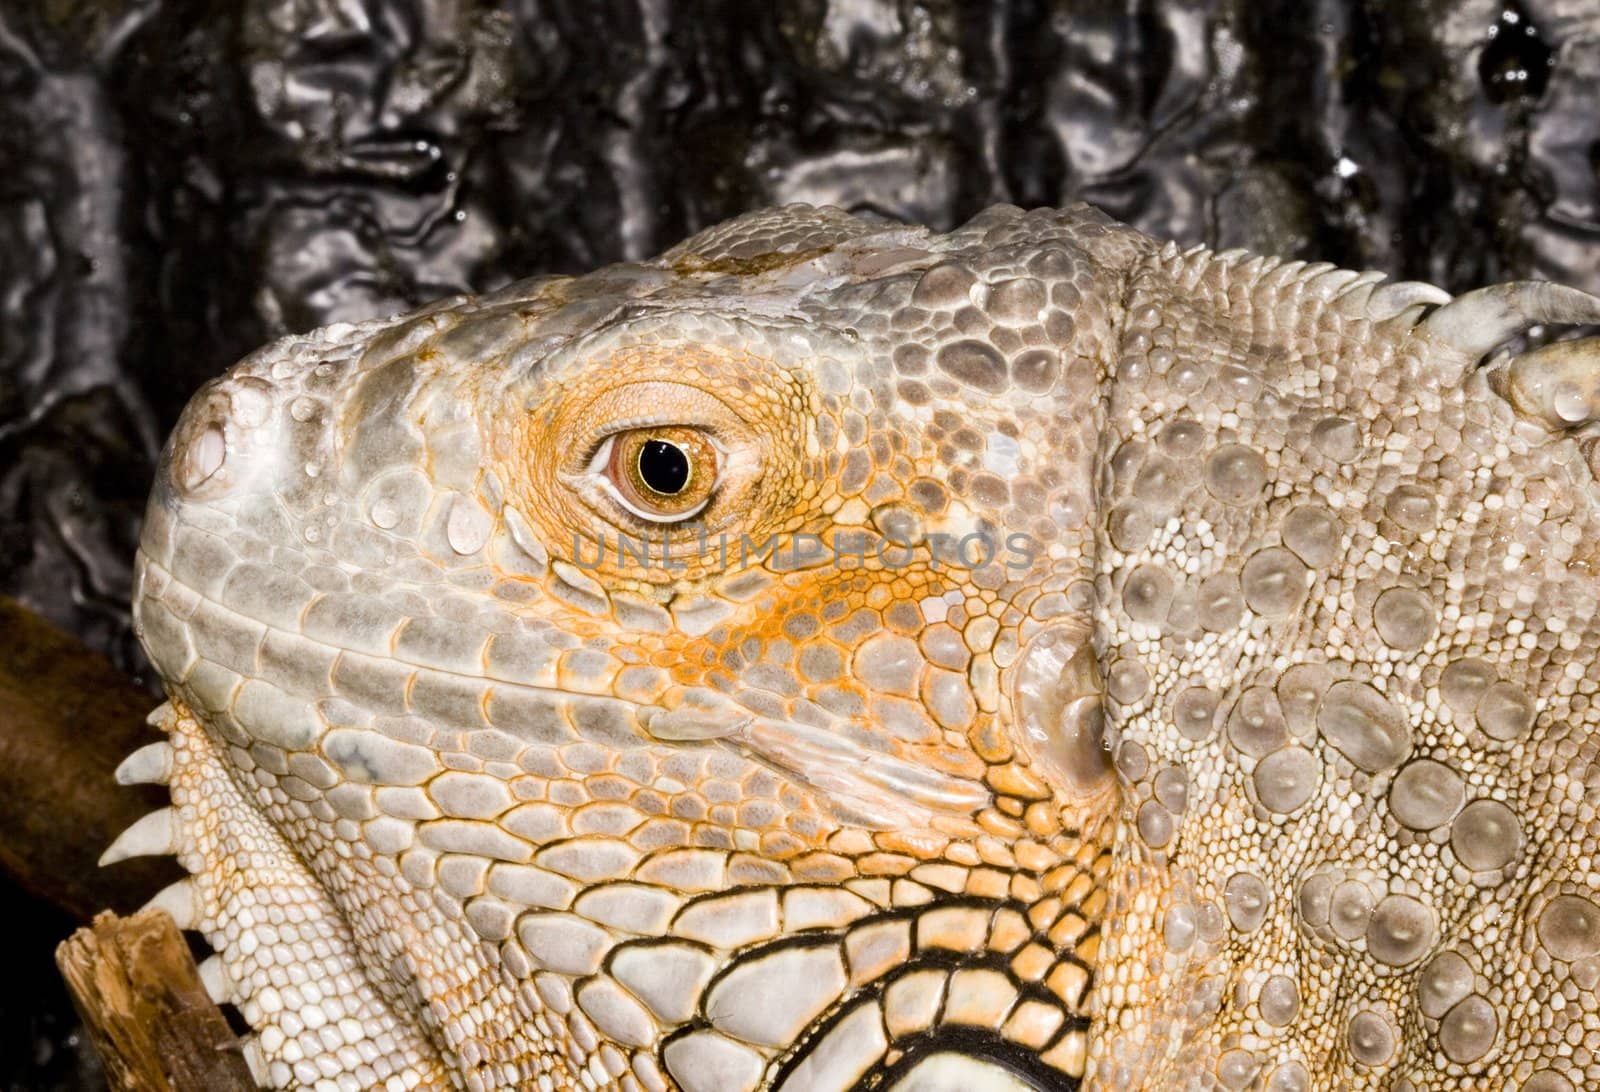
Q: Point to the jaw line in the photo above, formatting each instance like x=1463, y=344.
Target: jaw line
x=858, y=784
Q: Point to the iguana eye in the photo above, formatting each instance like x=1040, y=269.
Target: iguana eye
x=661, y=474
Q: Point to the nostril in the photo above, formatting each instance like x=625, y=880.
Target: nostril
x=204, y=457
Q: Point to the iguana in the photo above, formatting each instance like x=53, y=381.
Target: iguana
x=840, y=655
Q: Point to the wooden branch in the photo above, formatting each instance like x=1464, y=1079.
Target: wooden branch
x=67, y=718
x=157, y=1030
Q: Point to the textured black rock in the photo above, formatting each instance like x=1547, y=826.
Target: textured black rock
x=181, y=180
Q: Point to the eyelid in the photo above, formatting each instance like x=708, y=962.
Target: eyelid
x=601, y=444
x=610, y=489
x=617, y=410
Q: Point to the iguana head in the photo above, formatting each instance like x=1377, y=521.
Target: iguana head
x=709, y=671
x=727, y=614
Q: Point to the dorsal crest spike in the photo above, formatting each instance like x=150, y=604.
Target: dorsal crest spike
x=1404, y=298
x=1477, y=322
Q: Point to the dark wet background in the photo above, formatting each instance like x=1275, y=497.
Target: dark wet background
x=181, y=180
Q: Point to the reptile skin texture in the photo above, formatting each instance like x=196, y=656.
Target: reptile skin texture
x=1060, y=660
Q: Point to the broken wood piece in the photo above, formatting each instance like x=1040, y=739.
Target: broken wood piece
x=146, y=1011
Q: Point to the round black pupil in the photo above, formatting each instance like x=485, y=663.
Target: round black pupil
x=664, y=467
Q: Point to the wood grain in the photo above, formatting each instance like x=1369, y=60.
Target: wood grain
x=136, y=986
